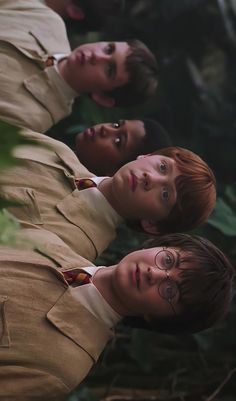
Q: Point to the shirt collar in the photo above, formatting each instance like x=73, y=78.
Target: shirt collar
x=89, y=296
x=96, y=200
x=60, y=83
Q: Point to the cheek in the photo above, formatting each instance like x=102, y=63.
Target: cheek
x=153, y=203
x=82, y=149
x=95, y=77
x=103, y=153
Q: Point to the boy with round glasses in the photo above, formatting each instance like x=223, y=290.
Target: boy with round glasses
x=52, y=332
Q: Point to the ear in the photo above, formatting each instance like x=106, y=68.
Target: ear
x=102, y=99
x=149, y=226
x=74, y=11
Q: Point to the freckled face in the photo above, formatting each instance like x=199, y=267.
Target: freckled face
x=96, y=67
x=145, y=188
x=103, y=148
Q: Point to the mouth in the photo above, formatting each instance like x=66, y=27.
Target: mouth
x=80, y=58
x=133, y=182
x=90, y=134
x=137, y=277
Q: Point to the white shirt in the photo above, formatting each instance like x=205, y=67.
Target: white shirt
x=60, y=83
x=96, y=200
x=89, y=296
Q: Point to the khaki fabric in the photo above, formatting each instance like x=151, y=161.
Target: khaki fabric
x=30, y=32
x=44, y=185
x=47, y=346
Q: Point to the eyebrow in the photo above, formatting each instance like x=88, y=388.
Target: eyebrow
x=170, y=165
x=177, y=261
x=172, y=188
x=114, y=66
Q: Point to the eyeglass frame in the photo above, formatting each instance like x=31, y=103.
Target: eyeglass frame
x=172, y=283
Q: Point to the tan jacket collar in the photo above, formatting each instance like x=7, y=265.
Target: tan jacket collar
x=40, y=49
x=67, y=315
x=77, y=212
x=50, y=97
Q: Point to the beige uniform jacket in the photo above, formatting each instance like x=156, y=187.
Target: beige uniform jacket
x=48, y=340
x=44, y=185
x=30, y=32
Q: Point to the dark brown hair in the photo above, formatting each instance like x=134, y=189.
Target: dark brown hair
x=141, y=66
x=205, y=286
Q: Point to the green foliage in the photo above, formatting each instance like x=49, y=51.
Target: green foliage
x=10, y=138
x=224, y=218
x=8, y=228
x=85, y=394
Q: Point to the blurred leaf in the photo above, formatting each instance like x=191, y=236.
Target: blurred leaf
x=223, y=218
x=8, y=227
x=10, y=138
x=7, y=203
x=230, y=193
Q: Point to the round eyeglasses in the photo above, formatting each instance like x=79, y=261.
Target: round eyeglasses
x=168, y=288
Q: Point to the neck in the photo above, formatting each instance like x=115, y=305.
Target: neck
x=65, y=74
x=105, y=187
x=103, y=282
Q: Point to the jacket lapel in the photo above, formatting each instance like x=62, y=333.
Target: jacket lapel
x=69, y=162
x=42, y=88
x=78, y=324
x=94, y=226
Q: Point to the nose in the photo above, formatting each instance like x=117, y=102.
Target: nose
x=104, y=132
x=108, y=132
x=153, y=180
x=154, y=275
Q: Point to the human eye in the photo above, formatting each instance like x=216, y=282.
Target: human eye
x=116, y=125
x=168, y=260
x=118, y=141
x=163, y=167
x=109, y=49
x=165, y=194
x=168, y=289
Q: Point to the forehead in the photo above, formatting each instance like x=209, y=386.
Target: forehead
x=121, y=47
x=135, y=128
x=155, y=250
x=153, y=159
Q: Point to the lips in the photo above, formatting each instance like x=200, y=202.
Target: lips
x=137, y=277
x=133, y=181
x=90, y=134
x=80, y=57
